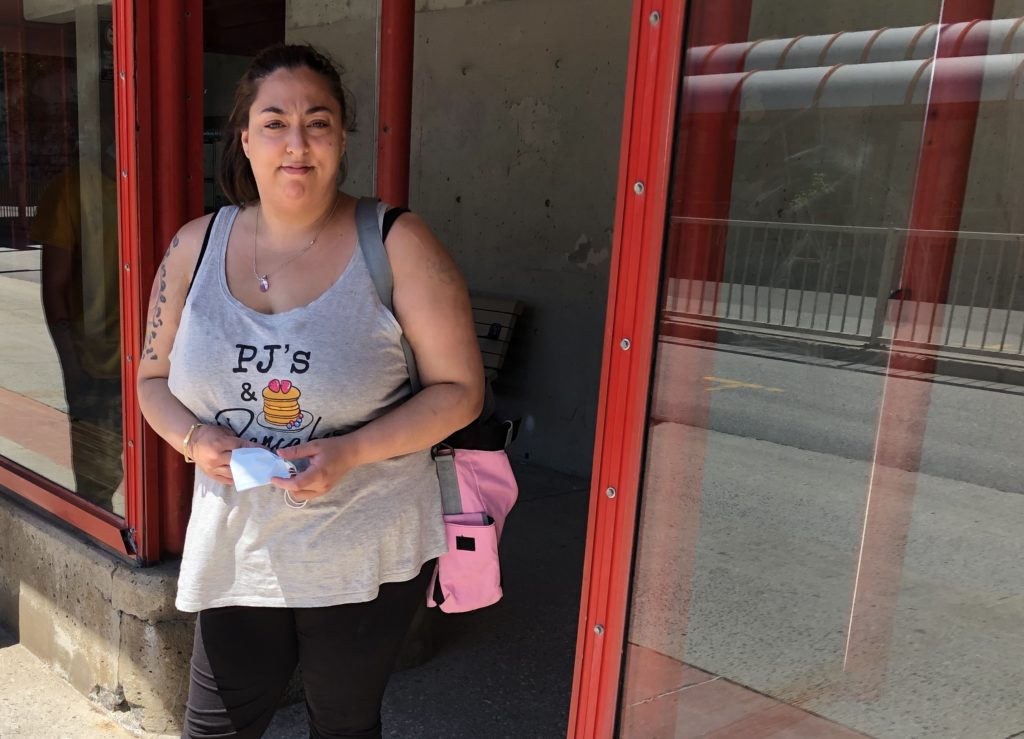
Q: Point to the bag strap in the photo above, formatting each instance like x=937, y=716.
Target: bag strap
x=202, y=250
x=448, y=479
x=376, y=258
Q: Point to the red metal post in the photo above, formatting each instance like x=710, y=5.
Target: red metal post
x=706, y=156
x=945, y=158
x=651, y=89
x=126, y=138
x=168, y=151
x=394, y=128
x=695, y=255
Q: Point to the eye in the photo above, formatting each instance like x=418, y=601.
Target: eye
x=320, y=124
x=273, y=124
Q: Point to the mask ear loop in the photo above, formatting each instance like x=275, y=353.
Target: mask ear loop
x=288, y=499
x=291, y=502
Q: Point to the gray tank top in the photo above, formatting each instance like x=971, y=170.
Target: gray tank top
x=313, y=372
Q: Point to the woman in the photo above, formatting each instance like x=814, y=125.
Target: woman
x=275, y=336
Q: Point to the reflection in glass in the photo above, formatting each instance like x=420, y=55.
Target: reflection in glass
x=61, y=381
x=829, y=538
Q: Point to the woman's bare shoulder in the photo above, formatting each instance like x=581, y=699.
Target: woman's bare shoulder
x=411, y=241
x=418, y=257
x=183, y=251
x=190, y=236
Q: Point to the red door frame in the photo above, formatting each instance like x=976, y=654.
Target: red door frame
x=652, y=83
x=159, y=129
x=164, y=134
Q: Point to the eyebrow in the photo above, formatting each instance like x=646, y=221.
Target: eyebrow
x=315, y=109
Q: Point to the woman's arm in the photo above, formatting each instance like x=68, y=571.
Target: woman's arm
x=210, y=446
x=432, y=305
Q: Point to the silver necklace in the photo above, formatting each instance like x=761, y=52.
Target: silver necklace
x=264, y=279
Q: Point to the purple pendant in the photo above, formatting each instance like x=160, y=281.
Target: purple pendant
x=264, y=284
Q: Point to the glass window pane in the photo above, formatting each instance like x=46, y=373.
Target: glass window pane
x=59, y=277
x=829, y=538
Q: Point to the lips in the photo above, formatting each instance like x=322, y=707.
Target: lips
x=296, y=169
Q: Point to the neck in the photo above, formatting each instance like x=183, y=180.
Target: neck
x=284, y=226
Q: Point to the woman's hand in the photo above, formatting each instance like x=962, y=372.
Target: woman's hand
x=211, y=448
x=329, y=461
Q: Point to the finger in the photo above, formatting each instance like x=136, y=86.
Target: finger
x=309, y=479
x=286, y=483
x=301, y=451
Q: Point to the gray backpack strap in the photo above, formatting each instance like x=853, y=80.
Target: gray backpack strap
x=376, y=258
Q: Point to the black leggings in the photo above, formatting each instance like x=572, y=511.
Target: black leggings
x=244, y=657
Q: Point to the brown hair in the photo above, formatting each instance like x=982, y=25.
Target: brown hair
x=234, y=173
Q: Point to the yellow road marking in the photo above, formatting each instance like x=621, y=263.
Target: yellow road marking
x=727, y=384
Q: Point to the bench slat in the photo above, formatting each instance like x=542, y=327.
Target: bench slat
x=498, y=305
x=490, y=316
x=493, y=347
x=484, y=331
x=495, y=320
x=493, y=361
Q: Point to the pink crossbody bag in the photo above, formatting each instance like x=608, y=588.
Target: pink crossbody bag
x=478, y=488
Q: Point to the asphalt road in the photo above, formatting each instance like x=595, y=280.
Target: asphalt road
x=973, y=431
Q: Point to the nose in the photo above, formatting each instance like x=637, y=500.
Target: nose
x=297, y=139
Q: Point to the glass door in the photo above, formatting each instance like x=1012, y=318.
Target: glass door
x=828, y=541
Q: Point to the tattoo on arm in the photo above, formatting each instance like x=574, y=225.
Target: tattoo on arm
x=155, y=305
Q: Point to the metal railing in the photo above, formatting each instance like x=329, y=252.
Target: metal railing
x=16, y=211
x=844, y=281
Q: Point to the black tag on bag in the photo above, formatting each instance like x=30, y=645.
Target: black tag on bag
x=465, y=543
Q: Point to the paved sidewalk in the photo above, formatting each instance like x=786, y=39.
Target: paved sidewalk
x=35, y=703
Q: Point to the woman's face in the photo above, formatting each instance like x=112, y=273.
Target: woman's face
x=295, y=138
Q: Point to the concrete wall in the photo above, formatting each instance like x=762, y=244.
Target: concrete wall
x=109, y=628
x=517, y=121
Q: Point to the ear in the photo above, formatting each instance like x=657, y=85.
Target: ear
x=244, y=135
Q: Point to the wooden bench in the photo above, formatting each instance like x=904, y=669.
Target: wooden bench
x=495, y=319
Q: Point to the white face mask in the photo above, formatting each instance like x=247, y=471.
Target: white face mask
x=253, y=467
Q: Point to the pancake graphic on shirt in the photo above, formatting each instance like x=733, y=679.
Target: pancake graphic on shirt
x=281, y=410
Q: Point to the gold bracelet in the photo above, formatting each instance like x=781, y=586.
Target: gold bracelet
x=187, y=441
